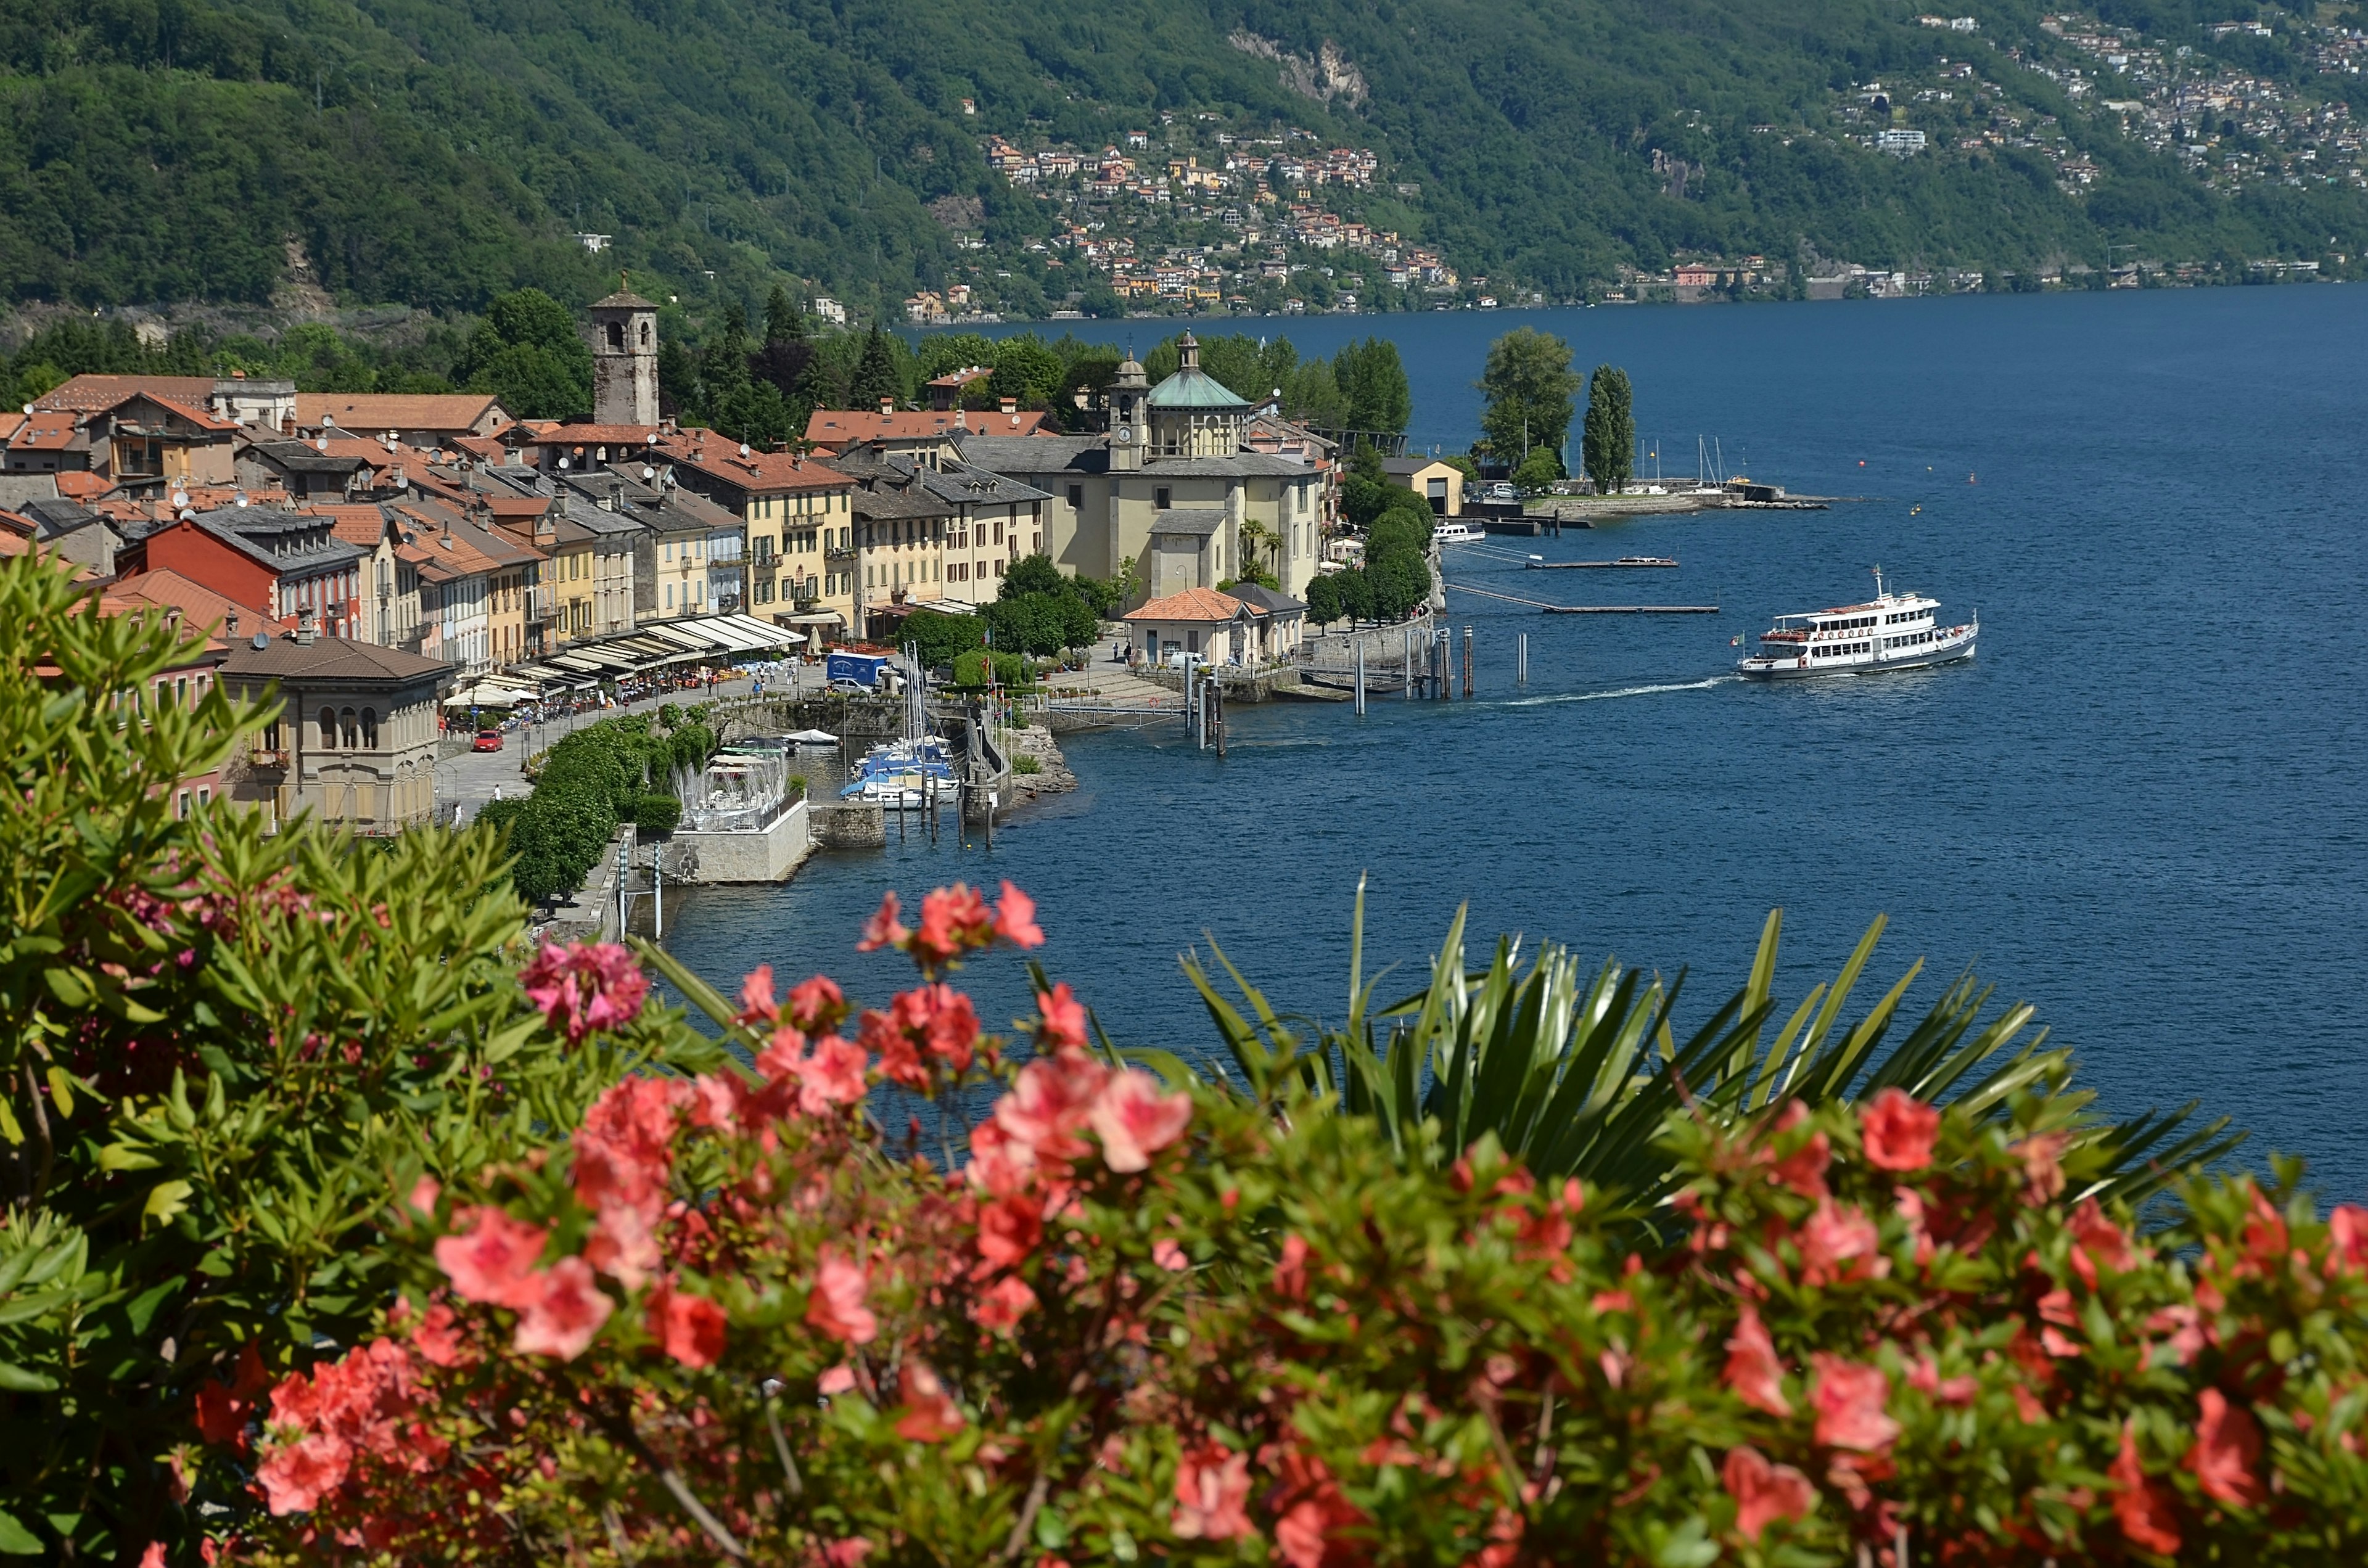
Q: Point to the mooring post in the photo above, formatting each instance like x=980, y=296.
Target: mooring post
x=1406, y=666
x=1467, y=664
x=1522, y=658
x=1361, y=680
x=657, y=890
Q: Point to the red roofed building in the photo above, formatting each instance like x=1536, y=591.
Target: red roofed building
x=418, y=419
x=928, y=435
x=799, y=550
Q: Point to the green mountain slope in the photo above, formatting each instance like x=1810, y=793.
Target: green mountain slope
x=438, y=152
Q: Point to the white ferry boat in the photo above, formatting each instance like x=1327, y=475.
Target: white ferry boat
x=1890, y=632
x=1456, y=531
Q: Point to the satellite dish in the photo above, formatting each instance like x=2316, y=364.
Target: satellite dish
x=648, y=473
x=652, y=438
x=29, y=411
x=323, y=443
x=402, y=480
x=563, y=462
x=262, y=641
x=329, y=421
x=180, y=497
x=238, y=498
x=744, y=449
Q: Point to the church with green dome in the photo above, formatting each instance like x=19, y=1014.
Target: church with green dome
x=1174, y=490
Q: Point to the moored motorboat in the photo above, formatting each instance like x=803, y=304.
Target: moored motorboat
x=1890, y=632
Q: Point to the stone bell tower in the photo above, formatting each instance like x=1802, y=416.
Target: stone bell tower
x=1129, y=391
x=625, y=361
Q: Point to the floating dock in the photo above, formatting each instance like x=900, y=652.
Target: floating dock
x=1640, y=563
x=1631, y=609
x=1587, y=610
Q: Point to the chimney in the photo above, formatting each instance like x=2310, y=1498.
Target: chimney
x=304, y=628
x=1011, y=405
x=230, y=624
x=887, y=407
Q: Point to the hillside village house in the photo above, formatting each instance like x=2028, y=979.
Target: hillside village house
x=353, y=738
x=1175, y=449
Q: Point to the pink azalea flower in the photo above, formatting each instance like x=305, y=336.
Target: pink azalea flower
x=1003, y=1304
x=999, y=1164
x=1899, y=1130
x=690, y=1328
x=2226, y=1457
x=624, y=1150
x=1290, y=1270
x=1840, y=1244
x=817, y=1004
x=953, y=920
x=1850, y=1399
x=1168, y=1256
x=1015, y=919
x=562, y=1321
x=1212, y=1485
x=833, y=1076
x=495, y=1260
x=624, y=1245
x=2347, y=1235
x=423, y=1194
x=2144, y=1508
x=883, y=930
x=847, y=1552
x=1061, y=1021
x=1764, y=1493
x=584, y=987
x=437, y=1337
x=1134, y=1121
x=1753, y=1371
x=930, y=1414
x=837, y=1307
x=297, y=1475
x=1051, y=1102
x=756, y=1003
x=836, y=1380
x=1009, y=1229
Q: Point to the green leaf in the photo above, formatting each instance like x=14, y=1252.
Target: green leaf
x=167, y=1200
x=69, y=988
x=17, y=1379
x=61, y=1091
x=125, y=1157
x=15, y=1540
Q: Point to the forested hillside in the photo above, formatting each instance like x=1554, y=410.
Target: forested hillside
x=436, y=153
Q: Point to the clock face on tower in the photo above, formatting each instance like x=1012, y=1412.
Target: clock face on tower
x=1124, y=434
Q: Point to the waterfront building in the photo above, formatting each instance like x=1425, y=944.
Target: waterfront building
x=1249, y=627
x=1437, y=482
x=792, y=510
x=352, y=734
x=285, y=561
x=1174, y=490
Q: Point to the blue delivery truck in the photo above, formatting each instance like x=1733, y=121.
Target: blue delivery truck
x=856, y=669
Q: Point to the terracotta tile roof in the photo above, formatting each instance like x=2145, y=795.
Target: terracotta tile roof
x=10, y=422
x=48, y=430
x=359, y=523
x=80, y=485
x=332, y=658
x=200, y=606
x=88, y=394
x=1192, y=604
x=844, y=427
x=372, y=413
x=753, y=471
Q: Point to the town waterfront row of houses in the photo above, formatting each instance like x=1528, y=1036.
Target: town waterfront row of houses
x=368, y=554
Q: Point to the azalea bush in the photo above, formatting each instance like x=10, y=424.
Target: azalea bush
x=746, y=1315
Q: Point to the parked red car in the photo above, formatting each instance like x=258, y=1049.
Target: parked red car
x=488, y=740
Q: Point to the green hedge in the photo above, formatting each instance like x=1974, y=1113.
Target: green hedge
x=591, y=781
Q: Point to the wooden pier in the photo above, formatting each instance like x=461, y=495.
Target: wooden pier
x=1599, y=566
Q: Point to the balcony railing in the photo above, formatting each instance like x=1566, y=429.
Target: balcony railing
x=267, y=757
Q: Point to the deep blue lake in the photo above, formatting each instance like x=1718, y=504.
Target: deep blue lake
x=2140, y=809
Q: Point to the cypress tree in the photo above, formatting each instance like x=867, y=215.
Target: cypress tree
x=1608, y=437
x=875, y=375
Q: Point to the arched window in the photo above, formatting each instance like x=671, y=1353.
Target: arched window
x=369, y=729
x=616, y=334
x=353, y=733
x=328, y=728
x=645, y=335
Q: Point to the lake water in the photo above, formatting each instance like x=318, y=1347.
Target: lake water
x=2140, y=809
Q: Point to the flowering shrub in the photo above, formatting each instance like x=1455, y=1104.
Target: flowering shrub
x=1147, y=1318
x=221, y=1048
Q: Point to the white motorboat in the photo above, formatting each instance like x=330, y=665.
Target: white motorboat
x=1890, y=632
x=1456, y=531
